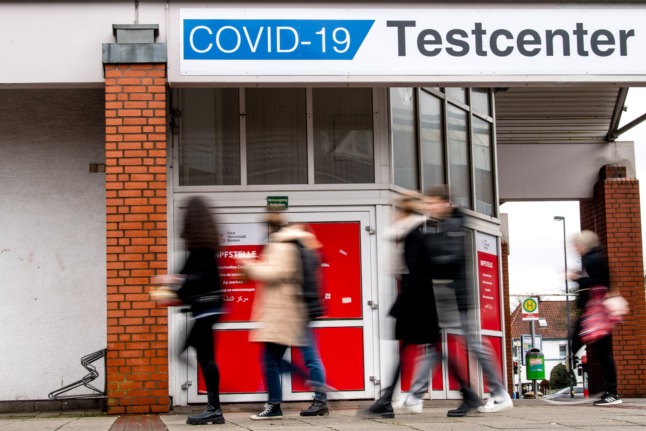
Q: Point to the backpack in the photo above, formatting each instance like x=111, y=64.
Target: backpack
x=310, y=282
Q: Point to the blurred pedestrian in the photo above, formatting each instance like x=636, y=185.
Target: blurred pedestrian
x=278, y=306
x=199, y=286
x=446, y=242
x=414, y=309
x=309, y=247
x=594, y=282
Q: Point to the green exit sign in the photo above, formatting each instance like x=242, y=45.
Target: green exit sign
x=278, y=201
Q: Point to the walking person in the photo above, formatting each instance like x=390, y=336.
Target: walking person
x=448, y=267
x=198, y=285
x=593, y=280
x=278, y=306
x=414, y=309
x=309, y=247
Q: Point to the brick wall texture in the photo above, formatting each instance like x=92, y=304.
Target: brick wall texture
x=507, y=312
x=137, y=358
x=614, y=214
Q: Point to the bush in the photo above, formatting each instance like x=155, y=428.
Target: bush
x=559, y=377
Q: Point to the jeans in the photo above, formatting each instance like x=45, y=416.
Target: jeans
x=313, y=363
x=274, y=366
x=483, y=353
x=424, y=364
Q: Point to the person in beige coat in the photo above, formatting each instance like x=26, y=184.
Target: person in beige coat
x=278, y=305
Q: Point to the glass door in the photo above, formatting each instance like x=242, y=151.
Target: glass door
x=344, y=334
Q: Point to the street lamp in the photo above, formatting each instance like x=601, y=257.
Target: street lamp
x=567, y=312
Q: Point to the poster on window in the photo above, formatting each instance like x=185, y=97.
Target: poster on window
x=242, y=240
x=488, y=286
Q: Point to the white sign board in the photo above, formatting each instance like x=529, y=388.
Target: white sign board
x=530, y=309
x=412, y=41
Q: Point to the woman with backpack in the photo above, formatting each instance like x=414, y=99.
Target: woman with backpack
x=278, y=305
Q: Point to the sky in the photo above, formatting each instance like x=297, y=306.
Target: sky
x=536, y=261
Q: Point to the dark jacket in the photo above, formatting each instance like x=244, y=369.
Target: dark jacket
x=201, y=288
x=447, y=250
x=414, y=309
x=595, y=273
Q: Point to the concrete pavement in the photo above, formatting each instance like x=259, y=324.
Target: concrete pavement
x=530, y=415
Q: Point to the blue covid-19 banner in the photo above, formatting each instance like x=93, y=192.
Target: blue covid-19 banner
x=273, y=39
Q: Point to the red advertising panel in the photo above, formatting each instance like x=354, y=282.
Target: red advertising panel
x=437, y=382
x=239, y=240
x=458, y=355
x=239, y=362
x=487, y=254
x=341, y=352
x=495, y=346
x=340, y=268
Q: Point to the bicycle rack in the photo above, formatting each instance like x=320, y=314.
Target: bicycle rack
x=86, y=361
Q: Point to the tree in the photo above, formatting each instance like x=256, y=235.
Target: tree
x=559, y=377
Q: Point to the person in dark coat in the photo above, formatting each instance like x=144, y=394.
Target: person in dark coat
x=447, y=249
x=414, y=308
x=199, y=286
x=593, y=281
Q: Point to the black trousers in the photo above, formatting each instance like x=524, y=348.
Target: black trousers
x=601, y=351
x=201, y=339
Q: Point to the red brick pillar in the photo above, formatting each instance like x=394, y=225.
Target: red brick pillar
x=509, y=348
x=137, y=358
x=614, y=214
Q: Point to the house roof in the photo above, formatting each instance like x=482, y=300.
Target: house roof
x=554, y=312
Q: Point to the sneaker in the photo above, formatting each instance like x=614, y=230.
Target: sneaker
x=497, y=403
x=318, y=408
x=410, y=404
x=272, y=411
x=608, y=400
x=464, y=409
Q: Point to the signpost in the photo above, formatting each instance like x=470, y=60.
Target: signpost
x=530, y=312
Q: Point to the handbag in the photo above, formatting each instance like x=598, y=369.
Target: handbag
x=617, y=307
x=596, y=321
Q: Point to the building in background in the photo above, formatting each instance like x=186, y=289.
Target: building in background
x=551, y=335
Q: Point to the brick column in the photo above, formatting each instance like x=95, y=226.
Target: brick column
x=136, y=230
x=614, y=214
x=504, y=257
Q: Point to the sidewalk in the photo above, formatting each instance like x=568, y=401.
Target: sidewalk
x=532, y=415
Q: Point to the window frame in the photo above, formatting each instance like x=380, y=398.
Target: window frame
x=380, y=133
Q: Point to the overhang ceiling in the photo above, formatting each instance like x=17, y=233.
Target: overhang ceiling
x=541, y=115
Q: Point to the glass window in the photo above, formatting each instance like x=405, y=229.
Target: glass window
x=480, y=101
x=276, y=136
x=402, y=105
x=209, y=140
x=458, y=147
x=482, y=166
x=343, y=139
x=456, y=93
x=431, y=140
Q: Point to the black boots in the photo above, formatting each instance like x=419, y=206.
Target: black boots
x=318, y=408
x=212, y=414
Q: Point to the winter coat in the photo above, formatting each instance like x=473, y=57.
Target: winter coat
x=446, y=242
x=595, y=273
x=201, y=288
x=414, y=309
x=278, y=304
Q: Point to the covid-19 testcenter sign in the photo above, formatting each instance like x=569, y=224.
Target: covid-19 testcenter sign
x=381, y=42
